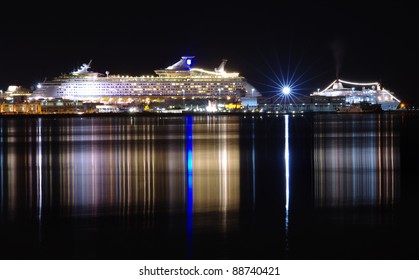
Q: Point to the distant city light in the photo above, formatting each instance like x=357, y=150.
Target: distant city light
x=286, y=90
x=189, y=61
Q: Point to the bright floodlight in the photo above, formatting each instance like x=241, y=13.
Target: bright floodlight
x=286, y=90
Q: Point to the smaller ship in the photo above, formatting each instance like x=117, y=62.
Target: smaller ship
x=362, y=107
x=372, y=93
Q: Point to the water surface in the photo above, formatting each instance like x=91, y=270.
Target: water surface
x=318, y=186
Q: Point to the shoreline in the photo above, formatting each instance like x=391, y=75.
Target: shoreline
x=179, y=114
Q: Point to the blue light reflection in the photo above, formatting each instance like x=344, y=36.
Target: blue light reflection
x=189, y=178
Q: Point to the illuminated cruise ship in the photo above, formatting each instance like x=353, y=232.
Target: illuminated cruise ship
x=370, y=92
x=175, y=83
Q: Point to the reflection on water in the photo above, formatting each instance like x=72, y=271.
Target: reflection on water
x=356, y=161
x=119, y=165
x=287, y=180
x=197, y=186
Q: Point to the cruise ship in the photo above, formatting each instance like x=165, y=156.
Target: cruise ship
x=358, y=92
x=171, y=85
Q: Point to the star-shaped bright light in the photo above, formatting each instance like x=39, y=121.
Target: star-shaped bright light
x=286, y=90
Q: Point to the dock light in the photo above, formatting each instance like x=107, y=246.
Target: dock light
x=286, y=90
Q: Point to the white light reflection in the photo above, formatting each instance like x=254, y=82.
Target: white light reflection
x=253, y=165
x=287, y=182
x=356, y=164
x=39, y=168
x=39, y=183
x=287, y=169
x=224, y=172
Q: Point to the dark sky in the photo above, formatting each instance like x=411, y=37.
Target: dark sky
x=311, y=42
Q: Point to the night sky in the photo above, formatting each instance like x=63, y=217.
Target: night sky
x=310, y=43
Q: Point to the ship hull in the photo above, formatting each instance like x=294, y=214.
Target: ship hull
x=363, y=107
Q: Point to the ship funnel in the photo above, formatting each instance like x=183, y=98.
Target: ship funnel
x=337, y=85
x=183, y=64
x=220, y=69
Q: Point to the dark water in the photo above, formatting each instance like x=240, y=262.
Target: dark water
x=322, y=186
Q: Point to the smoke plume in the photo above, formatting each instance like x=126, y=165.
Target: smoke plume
x=337, y=47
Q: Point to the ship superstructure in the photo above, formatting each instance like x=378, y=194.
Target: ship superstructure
x=359, y=92
x=178, y=81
